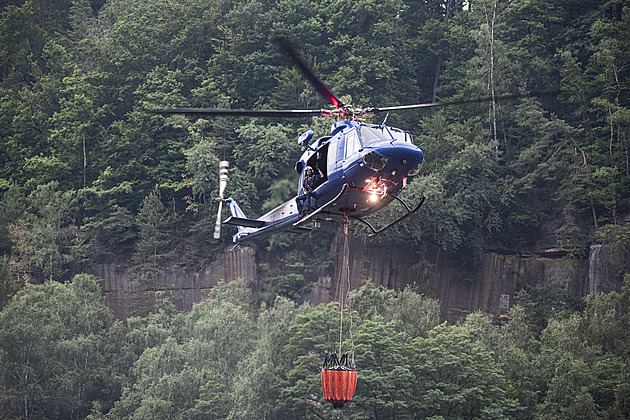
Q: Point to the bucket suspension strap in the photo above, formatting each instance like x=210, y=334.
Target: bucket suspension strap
x=344, y=283
x=339, y=375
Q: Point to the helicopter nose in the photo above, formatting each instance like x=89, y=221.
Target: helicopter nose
x=394, y=156
x=409, y=153
x=403, y=153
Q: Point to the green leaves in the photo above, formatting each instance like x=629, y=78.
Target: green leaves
x=74, y=78
x=267, y=150
x=384, y=375
x=52, y=346
x=44, y=236
x=21, y=44
x=152, y=222
x=60, y=353
x=463, y=204
x=79, y=166
x=182, y=358
x=455, y=375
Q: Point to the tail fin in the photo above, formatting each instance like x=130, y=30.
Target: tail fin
x=238, y=218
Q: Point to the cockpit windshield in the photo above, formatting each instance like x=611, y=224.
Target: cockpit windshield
x=400, y=135
x=371, y=133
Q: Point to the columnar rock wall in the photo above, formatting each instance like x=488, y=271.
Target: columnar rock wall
x=392, y=265
x=123, y=290
x=492, y=289
x=607, y=265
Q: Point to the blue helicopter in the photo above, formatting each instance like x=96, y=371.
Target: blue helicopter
x=359, y=168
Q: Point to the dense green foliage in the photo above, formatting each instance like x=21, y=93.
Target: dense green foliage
x=87, y=177
x=75, y=75
x=62, y=357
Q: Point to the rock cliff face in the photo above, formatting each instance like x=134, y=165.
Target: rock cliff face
x=121, y=286
x=394, y=265
x=606, y=267
x=437, y=275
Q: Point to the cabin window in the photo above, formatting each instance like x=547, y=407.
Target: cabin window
x=352, y=143
x=340, y=149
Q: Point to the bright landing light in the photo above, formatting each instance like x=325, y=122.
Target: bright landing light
x=373, y=197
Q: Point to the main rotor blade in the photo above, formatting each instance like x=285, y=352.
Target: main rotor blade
x=460, y=102
x=282, y=113
x=310, y=75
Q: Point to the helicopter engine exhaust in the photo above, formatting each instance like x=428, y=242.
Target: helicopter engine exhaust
x=223, y=179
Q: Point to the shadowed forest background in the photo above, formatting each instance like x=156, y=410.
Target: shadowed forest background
x=87, y=178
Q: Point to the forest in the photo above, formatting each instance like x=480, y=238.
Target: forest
x=88, y=177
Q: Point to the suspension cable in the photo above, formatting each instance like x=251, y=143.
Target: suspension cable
x=347, y=258
x=343, y=297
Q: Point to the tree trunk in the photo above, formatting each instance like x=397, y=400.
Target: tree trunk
x=438, y=65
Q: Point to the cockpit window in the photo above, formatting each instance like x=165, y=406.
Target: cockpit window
x=370, y=134
x=400, y=135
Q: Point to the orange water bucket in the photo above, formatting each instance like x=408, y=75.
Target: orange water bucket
x=339, y=385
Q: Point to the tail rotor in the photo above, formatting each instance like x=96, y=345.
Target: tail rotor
x=223, y=179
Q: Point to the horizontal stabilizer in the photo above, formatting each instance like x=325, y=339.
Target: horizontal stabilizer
x=300, y=229
x=242, y=221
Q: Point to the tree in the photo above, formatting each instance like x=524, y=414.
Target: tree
x=257, y=387
x=609, y=65
x=313, y=334
x=45, y=237
x=409, y=311
x=385, y=378
x=182, y=357
x=213, y=402
x=413, y=313
x=12, y=207
x=152, y=246
x=455, y=376
x=21, y=44
x=202, y=165
x=463, y=204
x=515, y=346
x=7, y=286
x=272, y=154
x=78, y=127
x=52, y=343
x=579, y=357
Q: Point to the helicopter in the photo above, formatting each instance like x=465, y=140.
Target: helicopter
x=360, y=167
x=363, y=168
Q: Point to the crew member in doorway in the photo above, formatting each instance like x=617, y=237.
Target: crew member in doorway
x=311, y=181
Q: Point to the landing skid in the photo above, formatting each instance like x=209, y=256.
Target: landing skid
x=305, y=219
x=400, y=219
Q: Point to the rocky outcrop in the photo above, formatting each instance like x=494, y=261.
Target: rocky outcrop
x=124, y=290
x=434, y=273
x=394, y=265
x=607, y=265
